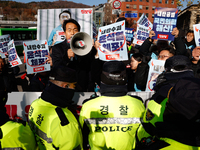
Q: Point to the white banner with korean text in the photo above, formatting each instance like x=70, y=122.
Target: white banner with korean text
x=113, y=42
x=4, y=39
x=156, y=68
x=36, y=53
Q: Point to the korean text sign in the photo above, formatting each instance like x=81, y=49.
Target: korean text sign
x=129, y=35
x=35, y=52
x=144, y=26
x=143, y=20
x=4, y=39
x=156, y=68
x=165, y=20
x=13, y=58
x=113, y=42
x=196, y=28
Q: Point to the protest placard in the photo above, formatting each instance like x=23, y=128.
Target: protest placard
x=165, y=20
x=13, y=58
x=4, y=39
x=141, y=35
x=129, y=35
x=143, y=20
x=196, y=28
x=60, y=35
x=36, y=52
x=156, y=68
x=144, y=26
x=113, y=42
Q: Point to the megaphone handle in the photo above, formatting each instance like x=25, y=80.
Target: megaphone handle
x=72, y=58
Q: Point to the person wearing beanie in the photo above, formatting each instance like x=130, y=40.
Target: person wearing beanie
x=14, y=135
x=172, y=114
x=51, y=116
x=110, y=121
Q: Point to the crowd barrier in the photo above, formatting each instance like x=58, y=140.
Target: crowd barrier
x=18, y=103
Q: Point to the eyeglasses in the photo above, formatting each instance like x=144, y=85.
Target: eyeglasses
x=162, y=56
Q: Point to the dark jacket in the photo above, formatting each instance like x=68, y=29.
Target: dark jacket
x=7, y=80
x=138, y=77
x=196, y=69
x=60, y=56
x=181, y=115
x=39, y=82
x=82, y=64
x=146, y=48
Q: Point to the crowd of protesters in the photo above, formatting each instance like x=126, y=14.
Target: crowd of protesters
x=90, y=74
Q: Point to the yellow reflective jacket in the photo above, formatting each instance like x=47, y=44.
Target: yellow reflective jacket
x=54, y=127
x=154, y=113
x=112, y=121
x=17, y=136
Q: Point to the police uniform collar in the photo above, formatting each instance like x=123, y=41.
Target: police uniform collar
x=113, y=90
x=58, y=96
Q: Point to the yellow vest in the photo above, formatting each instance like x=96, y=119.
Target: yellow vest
x=112, y=121
x=153, y=114
x=50, y=132
x=16, y=136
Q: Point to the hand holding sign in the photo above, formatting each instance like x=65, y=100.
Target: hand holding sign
x=175, y=32
x=151, y=34
x=196, y=53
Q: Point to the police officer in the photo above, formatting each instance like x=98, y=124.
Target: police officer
x=14, y=135
x=111, y=120
x=172, y=116
x=50, y=116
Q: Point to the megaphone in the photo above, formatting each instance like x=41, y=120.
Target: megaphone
x=81, y=43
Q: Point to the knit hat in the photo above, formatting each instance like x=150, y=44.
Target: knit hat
x=114, y=73
x=63, y=73
x=177, y=63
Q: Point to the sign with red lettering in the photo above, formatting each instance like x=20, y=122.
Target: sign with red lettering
x=36, y=56
x=113, y=42
x=86, y=11
x=60, y=36
x=165, y=20
x=4, y=39
x=144, y=26
x=13, y=58
x=163, y=36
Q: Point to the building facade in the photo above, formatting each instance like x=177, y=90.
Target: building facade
x=133, y=9
x=187, y=18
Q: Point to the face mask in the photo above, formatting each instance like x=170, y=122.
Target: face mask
x=64, y=16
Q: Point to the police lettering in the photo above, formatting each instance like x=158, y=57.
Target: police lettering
x=112, y=128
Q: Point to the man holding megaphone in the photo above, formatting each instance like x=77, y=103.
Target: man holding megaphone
x=75, y=52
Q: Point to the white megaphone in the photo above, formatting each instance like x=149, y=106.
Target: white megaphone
x=81, y=43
